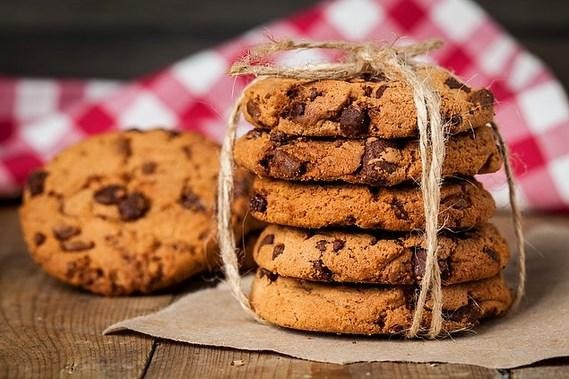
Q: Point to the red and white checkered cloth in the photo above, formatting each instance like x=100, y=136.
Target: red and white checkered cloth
x=38, y=118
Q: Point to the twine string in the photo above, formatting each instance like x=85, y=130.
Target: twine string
x=363, y=58
x=224, y=227
x=516, y=217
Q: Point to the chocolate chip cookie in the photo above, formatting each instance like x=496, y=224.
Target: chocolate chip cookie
x=375, y=106
x=128, y=211
x=383, y=258
x=371, y=161
x=366, y=309
x=464, y=204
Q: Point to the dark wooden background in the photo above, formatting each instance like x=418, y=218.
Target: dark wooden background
x=125, y=38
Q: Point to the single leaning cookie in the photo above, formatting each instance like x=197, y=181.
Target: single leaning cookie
x=351, y=309
x=382, y=258
x=464, y=204
x=377, y=106
x=370, y=161
x=128, y=211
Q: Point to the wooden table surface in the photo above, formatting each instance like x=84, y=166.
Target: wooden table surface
x=50, y=330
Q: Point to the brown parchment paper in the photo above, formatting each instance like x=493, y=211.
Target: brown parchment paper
x=539, y=330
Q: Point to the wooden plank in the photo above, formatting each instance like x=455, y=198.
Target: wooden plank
x=519, y=15
x=50, y=330
x=177, y=360
x=530, y=16
x=176, y=15
x=540, y=372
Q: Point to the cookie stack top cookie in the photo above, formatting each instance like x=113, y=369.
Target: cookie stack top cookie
x=364, y=107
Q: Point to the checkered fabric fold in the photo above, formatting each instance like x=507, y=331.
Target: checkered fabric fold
x=40, y=117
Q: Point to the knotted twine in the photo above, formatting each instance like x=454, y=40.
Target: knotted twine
x=362, y=59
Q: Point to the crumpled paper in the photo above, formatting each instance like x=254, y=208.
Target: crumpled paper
x=537, y=331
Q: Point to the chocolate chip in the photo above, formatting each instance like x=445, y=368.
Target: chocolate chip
x=189, y=200
x=322, y=272
x=321, y=245
x=124, y=146
x=267, y=240
x=39, y=239
x=110, y=194
x=367, y=90
x=453, y=83
x=253, y=109
x=77, y=245
x=338, y=245
x=353, y=120
x=419, y=260
x=493, y=254
x=286, y=166
x=293, y=91
x=469, y=313
x=149, y=168
x=314, y=93
x=133, y=206
x=482, y=97
x=399, y=209
x=380, y=90
x=278, y=250
x=374, y=192
x=64, y=232
x=271, y=276
x=380, y=321
x=258, y=203
x=36, y=181
x=374, y=168
x=373, y=241
x=187, y=150
x=296, y=109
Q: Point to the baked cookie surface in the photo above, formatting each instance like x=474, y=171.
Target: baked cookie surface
x=464, y=204
x=377, y=107
x=382, y=258
x=371, y=161
x=352, y=309
x=128, y=212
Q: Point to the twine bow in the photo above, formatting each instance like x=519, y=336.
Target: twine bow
x=363, y=59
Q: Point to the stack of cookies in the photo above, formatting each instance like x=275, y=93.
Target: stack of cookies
x=338, y=167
